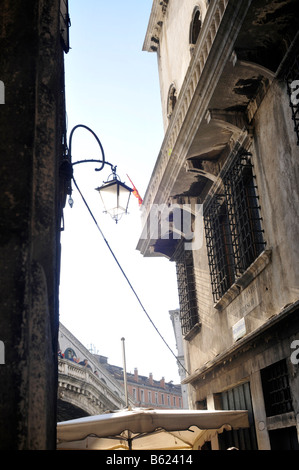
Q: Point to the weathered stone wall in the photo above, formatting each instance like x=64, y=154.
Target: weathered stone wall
x=31, y=124
x=244, y=365
x=275, y=158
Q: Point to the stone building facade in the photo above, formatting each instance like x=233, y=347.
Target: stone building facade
x=146, y=392
x=224, y=198
x=33, y=40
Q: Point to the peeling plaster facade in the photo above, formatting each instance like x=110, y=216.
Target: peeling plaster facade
x=231, y=145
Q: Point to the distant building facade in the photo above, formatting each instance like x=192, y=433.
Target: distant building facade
x=89, y=385
x=145, y=391
x=227, y=177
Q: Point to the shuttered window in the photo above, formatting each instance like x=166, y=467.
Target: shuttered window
x=239, y=398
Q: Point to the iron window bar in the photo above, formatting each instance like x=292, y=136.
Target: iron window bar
x=186, y=289
x=232, y=220
x=276, y=389
x=244, y=213
x=219, y=246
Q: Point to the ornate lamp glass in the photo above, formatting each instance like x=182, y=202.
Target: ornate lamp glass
x=115, y=196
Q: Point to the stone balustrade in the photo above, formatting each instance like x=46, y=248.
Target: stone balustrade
x=80, y=386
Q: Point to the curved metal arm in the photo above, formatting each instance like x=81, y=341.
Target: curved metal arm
x=96, y=161
x=103, y=161
x=66, y=166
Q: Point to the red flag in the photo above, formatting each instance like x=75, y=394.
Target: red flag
x=135, y=192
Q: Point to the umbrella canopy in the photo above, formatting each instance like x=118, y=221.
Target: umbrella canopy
x=147, y=429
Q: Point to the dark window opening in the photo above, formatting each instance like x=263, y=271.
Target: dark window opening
x=172, y=99
x=195, y=27
x=201, y=405
x=187, y=290
x=284, y=439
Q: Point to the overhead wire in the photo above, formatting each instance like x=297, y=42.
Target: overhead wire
x=126, y=277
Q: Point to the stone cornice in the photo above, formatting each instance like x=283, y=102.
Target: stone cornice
x=154, y=26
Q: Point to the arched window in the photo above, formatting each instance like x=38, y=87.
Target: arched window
x=69, y=354
x=171, y=100
x=195, y=26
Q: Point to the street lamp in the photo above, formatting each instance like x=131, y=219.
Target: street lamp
x=115, y=195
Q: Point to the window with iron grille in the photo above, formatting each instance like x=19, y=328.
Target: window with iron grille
x=292, y=80
x=244, y=213
x=276, y=389
x=234, y=235
x=219, y=246
x=187, y=290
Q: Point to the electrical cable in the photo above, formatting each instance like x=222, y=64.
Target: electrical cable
x=125, y=276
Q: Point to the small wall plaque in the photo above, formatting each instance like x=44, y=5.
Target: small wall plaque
x=239, y=329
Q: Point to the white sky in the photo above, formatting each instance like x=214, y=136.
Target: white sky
x=112, y=86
